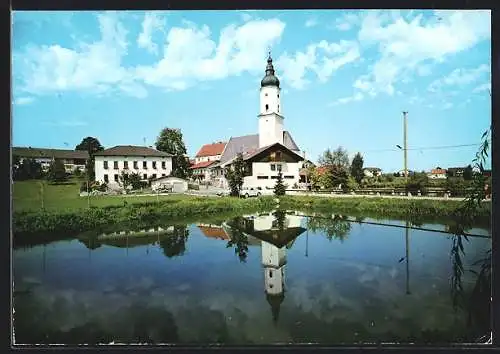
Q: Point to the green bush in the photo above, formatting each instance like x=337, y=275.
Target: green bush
x=193, y=186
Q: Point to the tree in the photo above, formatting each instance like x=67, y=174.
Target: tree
x=468, y=173
x=124, y=180
x=135, y=180
x=57, y=172
x=171, y=141
x=338, y=157
x=357, y=167
x=279, y=187
x=234, y=175
x=174, y=244
x=27, y=169
x=238, y=238
x=91, y=145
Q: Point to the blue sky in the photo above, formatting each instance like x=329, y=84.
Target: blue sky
x=346, y=77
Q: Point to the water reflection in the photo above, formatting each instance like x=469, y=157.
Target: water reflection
x=261, y=278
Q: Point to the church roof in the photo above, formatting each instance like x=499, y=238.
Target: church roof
x=250, y=143
x=275, y=301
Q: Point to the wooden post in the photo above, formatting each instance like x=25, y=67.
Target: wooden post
x=407, y=239
x=42, y=195
x=405, y=145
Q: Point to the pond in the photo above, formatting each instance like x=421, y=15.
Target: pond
x=269, y=278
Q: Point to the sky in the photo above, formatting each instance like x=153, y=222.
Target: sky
x=346, y=77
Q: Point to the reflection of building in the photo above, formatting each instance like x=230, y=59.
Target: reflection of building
x=213, y=231
x=276, y=231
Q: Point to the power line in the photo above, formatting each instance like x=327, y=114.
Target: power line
x=425, y=148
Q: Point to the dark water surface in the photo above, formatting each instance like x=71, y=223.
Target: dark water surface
x=265, y=279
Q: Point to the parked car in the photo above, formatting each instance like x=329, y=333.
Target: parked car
x=247, y=192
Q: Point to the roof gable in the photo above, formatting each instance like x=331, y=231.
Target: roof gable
x=246, y=143
x=273, y=147
x=29, y=152
x=211, y=149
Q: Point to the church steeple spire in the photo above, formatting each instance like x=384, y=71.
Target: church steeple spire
x=270, y=79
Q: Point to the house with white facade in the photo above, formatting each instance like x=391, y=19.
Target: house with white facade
x=372, y=172
x=206, y=157
x=437, y=173
x=272, y=150
x=149, y=163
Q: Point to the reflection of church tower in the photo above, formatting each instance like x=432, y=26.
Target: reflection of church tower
x=274, y=261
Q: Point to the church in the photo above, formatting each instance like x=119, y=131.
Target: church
x=269, y=152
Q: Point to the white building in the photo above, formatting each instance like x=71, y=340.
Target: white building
x=207, y=156
x=175, y=184
x=372, y=171
x=437, y=173
x=272, y=149
x=147, y=162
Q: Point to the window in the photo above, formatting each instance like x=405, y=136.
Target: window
x=262, y=177
x=267, y=107
x=274, y=177
x=115, y=165
x=265, y=94
x=278, y=167
x=125, y=165
x=153, y=176
x=164, y=164
x=154, y=164
x=273, y=167
x=277, y=156
x=105, y=165
x=106, y=179
x=289, y=177
x=145, y=176
x=278, y=95
x=278, y=108
x=116, y=178
x=270, y=273
x=163, y=175
x=136, y=165
x=144, y=164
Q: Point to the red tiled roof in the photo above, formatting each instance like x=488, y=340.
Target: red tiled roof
x=214, y=232
x=211, y=149
x=202, y=164
x=438, y=171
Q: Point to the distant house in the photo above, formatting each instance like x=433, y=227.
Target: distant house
x=372, y=171
x=72, y=159
x=437, y=173
x=201, y=170
x=149, y=163
x=456, y=171
x=487, y=173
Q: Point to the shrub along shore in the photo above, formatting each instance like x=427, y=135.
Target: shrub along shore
x=94, y=217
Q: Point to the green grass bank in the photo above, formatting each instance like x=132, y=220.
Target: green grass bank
x=150, y=212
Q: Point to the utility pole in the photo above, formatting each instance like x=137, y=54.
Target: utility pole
x=407, y=239
x=405, y=145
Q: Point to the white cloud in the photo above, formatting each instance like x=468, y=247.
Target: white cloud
x=348, y=21
x=95, y=67
x=404, y=44
x=322, y=58
x=312, y=22
x=459, y=78
x=190, y=54
x=24, y=100
x=152, y=22
x=483, y=87
x=358, y=96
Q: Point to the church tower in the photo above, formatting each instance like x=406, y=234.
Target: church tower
x=270, y=118
x=274, y=261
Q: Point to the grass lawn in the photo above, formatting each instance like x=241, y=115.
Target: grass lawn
x=27, y=197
